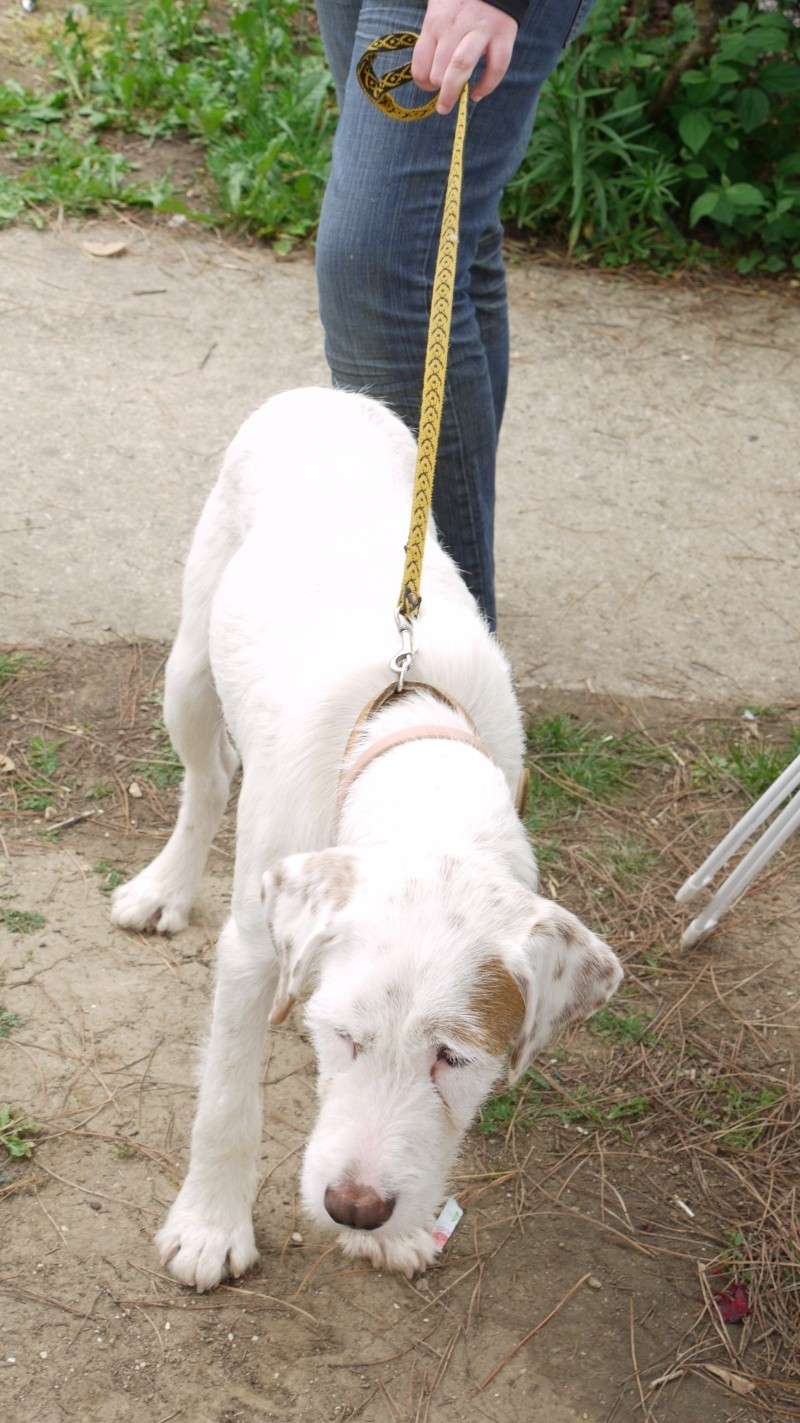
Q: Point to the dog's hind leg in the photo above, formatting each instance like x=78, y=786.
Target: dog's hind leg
x=161, y=896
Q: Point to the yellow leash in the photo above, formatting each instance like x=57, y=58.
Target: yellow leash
x=378, y=89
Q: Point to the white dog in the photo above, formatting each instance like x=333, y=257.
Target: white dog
x=412, y=906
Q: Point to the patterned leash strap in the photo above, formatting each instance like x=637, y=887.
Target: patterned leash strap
x=378, y=89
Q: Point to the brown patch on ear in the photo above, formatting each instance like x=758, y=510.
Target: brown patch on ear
x=335, y=878
x=498, y=1007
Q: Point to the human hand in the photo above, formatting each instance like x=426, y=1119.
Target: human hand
x=454, y=36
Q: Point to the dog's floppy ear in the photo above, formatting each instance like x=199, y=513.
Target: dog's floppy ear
x=565, y=972
x=304, y=896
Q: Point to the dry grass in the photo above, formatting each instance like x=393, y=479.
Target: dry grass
x=690, y=1073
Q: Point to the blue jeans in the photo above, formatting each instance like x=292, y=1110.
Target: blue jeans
x=376, y=251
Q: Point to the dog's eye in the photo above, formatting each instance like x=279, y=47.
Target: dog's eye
x=445, y=1054
x=354, y=1047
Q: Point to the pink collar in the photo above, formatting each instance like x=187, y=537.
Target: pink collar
x=427, y=731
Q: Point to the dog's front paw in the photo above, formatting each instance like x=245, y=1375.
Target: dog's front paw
x=149, y=903
x=200, y=1251
x=408, y=1254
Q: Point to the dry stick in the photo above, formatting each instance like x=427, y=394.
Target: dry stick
x=531, y=1333
x=8, y=1286
x=440, y=1373
x=103, y=1195
x=273, y=1299
x=642, y=1401
x=312, y=1270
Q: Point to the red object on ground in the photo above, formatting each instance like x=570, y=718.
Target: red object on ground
x=733, y=1303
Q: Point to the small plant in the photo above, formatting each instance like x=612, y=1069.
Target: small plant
x=11, y=664
x=750, y=763
x=571, y=762
x=43, y=755
x=16, y=1133
x=632, y=860
x=534, y=1100
x=101, y=790
x=163, y=769
x=8, y=1021
x=738, y=1115
x=617, y=1027
x=110, y=876
x=38, y=791
x=22, y=921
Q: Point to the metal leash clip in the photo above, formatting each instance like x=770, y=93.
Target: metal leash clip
x=401, y=664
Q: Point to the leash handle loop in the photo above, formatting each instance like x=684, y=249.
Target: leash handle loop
x=378, y=91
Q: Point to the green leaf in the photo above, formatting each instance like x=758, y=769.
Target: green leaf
x=725, y=74
x=752, y=106
x=775, y=264
x=694, y=128
x=780, y=78
x=744, y=195
x=789, y=167
x=704, y=206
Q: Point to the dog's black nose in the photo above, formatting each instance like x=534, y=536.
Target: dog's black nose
x=358, y=1206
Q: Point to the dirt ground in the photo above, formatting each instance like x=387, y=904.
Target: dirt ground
x=102, y=1052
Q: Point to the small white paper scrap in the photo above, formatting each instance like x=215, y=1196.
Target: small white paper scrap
x=451, y=1214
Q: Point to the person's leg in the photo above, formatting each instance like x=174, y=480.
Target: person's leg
x=376, y=252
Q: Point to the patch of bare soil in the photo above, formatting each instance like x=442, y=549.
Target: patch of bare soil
x=655, y=1152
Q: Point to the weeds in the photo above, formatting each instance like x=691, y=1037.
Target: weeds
x=621, y=1028
x=11, y=664
x=8, y=1021
x=572, y=762
x=16, y=1133
x=631, y=158
x=101, y=790
x=256, y=97
x=751, y=763
x=110, y=876
x=22, y=921
x=738, y=1115
x=535, y=1100
x=163, y=769
x=38, y=791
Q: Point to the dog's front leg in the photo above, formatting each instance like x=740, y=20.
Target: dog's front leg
x=208, y=1233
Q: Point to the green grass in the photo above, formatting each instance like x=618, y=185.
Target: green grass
x=534, y=1101
x=631, y=860
x=738, y=1115
x=101, y=790
x=11, y=664
x=618, y=1027
x=750, y=763
x=39, y=791
x=8, y=1021
x=571, y=762
x=255, y=96
x=16, y=1133
x=22, y=921
x=110, y=876
x=162, y=769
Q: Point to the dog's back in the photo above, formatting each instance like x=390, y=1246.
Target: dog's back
x=318, y=483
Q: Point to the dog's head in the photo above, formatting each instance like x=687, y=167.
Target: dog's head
x=429, y=977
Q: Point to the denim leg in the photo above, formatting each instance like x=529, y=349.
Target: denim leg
x=376, y=252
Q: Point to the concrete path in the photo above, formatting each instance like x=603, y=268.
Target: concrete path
x=649, y=517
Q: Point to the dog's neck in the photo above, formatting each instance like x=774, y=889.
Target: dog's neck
x=430, y=792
